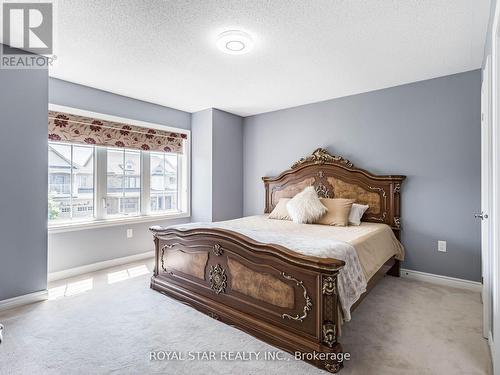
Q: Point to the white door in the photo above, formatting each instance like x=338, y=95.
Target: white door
x=486, y=199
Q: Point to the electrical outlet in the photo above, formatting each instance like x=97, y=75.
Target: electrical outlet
x=130, y=233
x=442, y=246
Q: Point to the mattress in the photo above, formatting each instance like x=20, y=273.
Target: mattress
x=374, y=243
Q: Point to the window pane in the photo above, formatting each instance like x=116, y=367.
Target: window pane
x=83, y=182
x=123, y=182
x=114, y=181
x=71, y=182
x=131, y=203
x=171, y=181
x=59, y=182
x=163, y=182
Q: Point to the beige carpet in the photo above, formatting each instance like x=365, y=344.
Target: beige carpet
x=109, y=322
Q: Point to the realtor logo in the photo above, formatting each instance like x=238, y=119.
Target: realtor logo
x=27, y=28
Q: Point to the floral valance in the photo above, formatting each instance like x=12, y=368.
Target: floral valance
x=65, y=127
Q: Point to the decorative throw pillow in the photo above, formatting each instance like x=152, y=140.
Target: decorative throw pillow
x=357, y=212
x=305, y=207
x=338, y=211
x=280, y=212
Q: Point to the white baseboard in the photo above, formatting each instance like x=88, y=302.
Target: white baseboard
x=72, y=272
x=25, y=299
x=442, y=280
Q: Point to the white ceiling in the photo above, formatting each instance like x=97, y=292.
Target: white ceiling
x=306, y=50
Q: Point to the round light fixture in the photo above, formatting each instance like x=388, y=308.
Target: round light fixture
x=234, y=42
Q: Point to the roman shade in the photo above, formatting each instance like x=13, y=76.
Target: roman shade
x=66, y=127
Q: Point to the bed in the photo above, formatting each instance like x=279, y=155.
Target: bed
x=291, y=285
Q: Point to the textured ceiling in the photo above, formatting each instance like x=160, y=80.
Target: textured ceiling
x=306, y=51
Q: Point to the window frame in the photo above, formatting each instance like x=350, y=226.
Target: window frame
x=100, y=218
x=73, y=218
x=104, y=194
x=179, y=183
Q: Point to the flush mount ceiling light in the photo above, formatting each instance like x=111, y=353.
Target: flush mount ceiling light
x=234, y=42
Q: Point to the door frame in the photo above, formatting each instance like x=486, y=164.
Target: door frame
x=486, y=199
x=495, y=121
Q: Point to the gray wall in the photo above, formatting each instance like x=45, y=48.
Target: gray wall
x=23, y=198
x=78, y=248
x=217, y=165
x=201, y=166
x=87, y=246
x=428, y=131
x=227, y=168
x=90, y=99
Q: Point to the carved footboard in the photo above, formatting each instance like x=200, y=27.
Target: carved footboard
x=284, y=298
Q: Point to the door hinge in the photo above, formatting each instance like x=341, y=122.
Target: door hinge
x=481, y=216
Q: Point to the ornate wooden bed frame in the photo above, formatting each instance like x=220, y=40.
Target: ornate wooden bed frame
x=282, y=297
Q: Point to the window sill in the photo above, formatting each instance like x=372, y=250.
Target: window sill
x=69, y=227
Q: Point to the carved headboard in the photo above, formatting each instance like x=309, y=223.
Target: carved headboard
x=336, y=177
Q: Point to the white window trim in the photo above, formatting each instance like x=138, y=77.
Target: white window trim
x=100, y=220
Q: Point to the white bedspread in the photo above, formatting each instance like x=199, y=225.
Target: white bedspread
x=351, y=280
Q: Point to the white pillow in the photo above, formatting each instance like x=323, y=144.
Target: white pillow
x=357, y=211
x=280, y=212
x=305, y=207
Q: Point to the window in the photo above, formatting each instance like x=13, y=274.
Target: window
x=108, y=169
x=123, y=196
x=164, y=177
x=127, y=183
x=71, y=182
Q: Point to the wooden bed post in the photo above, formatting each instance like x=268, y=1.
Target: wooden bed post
x=395, y=270
x=330, y=319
